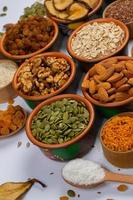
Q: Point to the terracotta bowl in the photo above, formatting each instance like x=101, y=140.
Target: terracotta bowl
x=65, y=86
x=68, y=21
x=107, y=105
x=70, y=149
x=101, y=20
x=16, y=131
x=119, y=159
x=20, y=57
x=129, y=25
x=7, y=92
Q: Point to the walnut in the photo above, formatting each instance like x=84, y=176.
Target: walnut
x=50, y=79
x=43, y=74
x=27, y=86
x=58, y=77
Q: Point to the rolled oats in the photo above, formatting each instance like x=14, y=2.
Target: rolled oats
x=97, y=40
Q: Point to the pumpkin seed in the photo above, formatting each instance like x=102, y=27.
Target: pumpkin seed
x=60, y=121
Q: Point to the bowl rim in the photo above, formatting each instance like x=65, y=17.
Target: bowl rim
x=99, y=4
x=107, y=105
x=99, y=20
x=61, y=89
x=19, y=129
x=49, y=101
x=15, y=65
x=111, y=4
x=19, y=57
x=101, y=132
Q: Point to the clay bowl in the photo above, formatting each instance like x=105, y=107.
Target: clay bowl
x=107, y=105
x=100, y=20
x=7, y=93
x=65, y=86
x=129, y=25
x=68, y=21
x=20, y=57
x=70, y=149
x=119, y=159
x=16, y=131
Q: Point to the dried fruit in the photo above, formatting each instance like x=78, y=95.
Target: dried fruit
x=13, y=191
x=61, y=4
x=77, y=11
x=71, y=193
x=51, y=9
x=60, y=121
x=91, y=3
x=11, y=119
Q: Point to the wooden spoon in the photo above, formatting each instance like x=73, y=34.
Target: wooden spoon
x=109, y=176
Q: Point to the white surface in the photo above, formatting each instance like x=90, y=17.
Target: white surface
x=18, y=164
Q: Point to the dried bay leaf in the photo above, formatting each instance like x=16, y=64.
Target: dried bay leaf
x=14, y=190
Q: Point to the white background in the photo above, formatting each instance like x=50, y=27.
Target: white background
x=19, y=164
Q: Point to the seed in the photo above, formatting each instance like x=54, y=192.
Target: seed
x=71, y=193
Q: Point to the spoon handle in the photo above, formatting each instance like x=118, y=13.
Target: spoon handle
x=110, y=176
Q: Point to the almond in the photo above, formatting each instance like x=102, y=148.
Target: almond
x=130, y=81
x=92, y=87
x=124, y=88
x=92, y=71
x=111, y=91
x=127, y=73
x=109, y=72
x=100, y=69
x=130, y=92
x=96, y=78
x=129, y=66
x=115, y=77
x=111, y=61
x=85, y=84
x=103, y=95
x=96, y=96
x=120, y=66
x=105, y=85
x=121, y=96
x=121, y=82
x=111, y=98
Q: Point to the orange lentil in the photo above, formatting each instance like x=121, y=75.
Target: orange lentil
x=117, y=134
x=122, y=188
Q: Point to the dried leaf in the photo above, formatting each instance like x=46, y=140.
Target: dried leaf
x=14, y=190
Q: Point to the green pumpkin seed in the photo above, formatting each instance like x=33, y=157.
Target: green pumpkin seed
x=60, y=121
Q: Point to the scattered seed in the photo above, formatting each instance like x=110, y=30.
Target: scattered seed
x=64, y=198
x=51, y=173
x=28, y=145
x=98, y=192
x=119, y=169
x=5, y=8
x=78, y=195
x=71, y=193
x=2, y=14
x=19, y=144
x=122, y=188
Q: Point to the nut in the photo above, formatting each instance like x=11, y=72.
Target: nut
x=92, y=87
x=124, y=88
x=107, y=74
x=103, y=95
x=115, y=77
